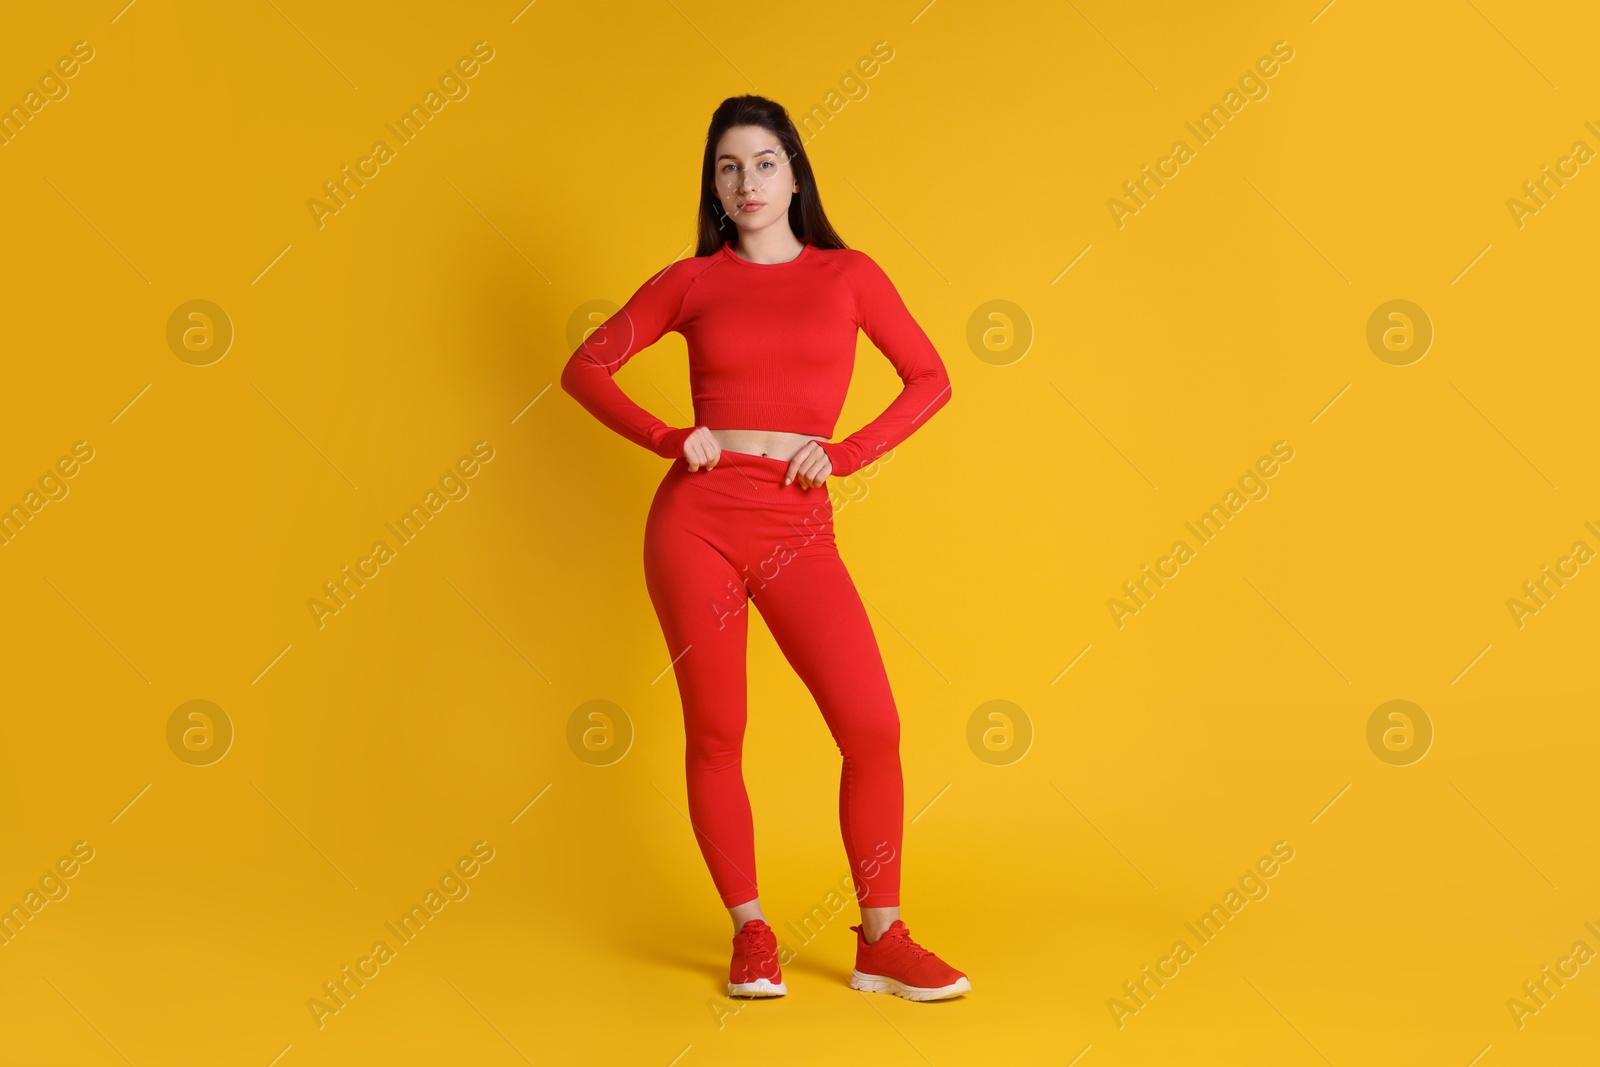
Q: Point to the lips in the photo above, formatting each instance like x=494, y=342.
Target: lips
x=752, y=205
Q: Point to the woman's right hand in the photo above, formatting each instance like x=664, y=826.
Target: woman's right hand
x=700, y=448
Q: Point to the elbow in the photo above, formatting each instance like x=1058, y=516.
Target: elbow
x=584, y=370
x=572, y=375
x=941, y=383
x=932, y=383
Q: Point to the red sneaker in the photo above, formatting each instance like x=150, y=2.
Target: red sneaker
x=754, y=971
x=896, y=964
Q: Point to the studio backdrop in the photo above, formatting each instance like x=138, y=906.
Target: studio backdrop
x=1238, y=606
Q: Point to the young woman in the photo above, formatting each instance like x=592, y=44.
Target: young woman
x=770, y=306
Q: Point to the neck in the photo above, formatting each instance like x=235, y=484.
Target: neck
x=767, y=246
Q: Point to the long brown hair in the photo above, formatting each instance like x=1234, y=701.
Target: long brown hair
x=807, y=220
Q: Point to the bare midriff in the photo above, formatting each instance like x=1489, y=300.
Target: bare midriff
x=778, y=444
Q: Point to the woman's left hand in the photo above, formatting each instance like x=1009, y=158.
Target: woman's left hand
x=810, y=466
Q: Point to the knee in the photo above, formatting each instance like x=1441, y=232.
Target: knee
x=872, y=737
x=713, y=745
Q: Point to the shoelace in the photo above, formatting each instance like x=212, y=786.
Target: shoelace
x=756, y=938
x=759, y=942
x=904, y=934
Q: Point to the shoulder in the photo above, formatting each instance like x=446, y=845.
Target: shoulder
x=858, y=269
x=683, y=271
x=862, y=274
x=845, y=260
x=672, y=281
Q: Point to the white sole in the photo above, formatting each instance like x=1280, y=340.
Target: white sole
x=877, y=983
x=761, y=987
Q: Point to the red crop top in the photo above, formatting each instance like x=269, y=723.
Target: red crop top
x=771, y=347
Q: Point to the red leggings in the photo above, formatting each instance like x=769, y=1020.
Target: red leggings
x=715, y=542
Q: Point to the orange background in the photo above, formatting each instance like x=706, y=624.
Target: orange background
x=1052, y=854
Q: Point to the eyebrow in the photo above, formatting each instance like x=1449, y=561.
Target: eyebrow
x=763, y=152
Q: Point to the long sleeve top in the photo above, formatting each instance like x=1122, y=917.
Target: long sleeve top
x=771, y=347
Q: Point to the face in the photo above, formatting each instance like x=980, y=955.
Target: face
x=754, y=179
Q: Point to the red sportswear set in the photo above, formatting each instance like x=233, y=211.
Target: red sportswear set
x=771, y=347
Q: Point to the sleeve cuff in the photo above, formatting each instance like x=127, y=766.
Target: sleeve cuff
x=840, y=457
x=668, y=444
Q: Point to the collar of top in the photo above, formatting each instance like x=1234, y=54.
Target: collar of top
x=727, y=250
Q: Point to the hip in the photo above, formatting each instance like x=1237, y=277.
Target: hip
x=740, y=505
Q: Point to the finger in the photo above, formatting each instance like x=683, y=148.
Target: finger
x=710, y=451
x=705, y=455
x=818, y=471
x=804, y=461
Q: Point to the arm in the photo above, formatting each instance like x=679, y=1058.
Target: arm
x=883, y=316
x=650, y=312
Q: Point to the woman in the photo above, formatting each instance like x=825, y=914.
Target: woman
x=770, y=306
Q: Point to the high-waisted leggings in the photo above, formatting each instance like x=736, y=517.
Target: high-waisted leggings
x=715, y=542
